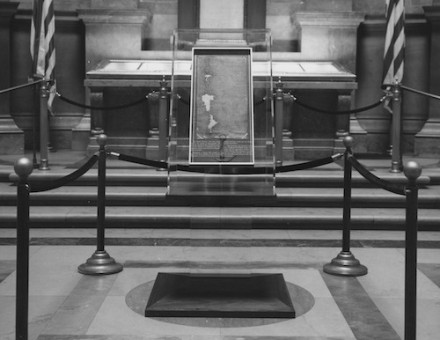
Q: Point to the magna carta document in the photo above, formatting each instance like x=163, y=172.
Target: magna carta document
x=222, y=107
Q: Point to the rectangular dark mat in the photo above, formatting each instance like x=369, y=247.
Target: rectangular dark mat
x=220, y=295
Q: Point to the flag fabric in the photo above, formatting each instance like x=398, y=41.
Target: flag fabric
x=42, y=45
x=394, y=42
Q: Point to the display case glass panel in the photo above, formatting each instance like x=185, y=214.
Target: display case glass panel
x=221, y=140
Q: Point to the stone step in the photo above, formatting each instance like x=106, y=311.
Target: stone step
x=329, y=177
x=429, y=198
x=220, y=217
x=136, y=198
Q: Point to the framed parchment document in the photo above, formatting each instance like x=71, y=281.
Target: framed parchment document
x=221, y=113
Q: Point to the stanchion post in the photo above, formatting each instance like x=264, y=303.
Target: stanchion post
x=396, y=129
x=23, y=168
x=100, y=262
x=345, y=263
x=44, y=126
x=163, y=120
x=412, y=171
x=346, y=212
x=279, y=108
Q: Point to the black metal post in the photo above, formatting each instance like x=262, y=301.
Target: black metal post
x=100, y=262
x=163, y=121
x=346, y=213
x=279, y=108
x=102, y=164
x=412, y=171
x=345, y=263
x=23, y=168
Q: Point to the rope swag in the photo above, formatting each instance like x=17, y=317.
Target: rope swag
x=226, y=171
x=392, y=187
x=59, y=182
x=256, y=103
x=106, y=108
x=187, y=102
x=344, y=112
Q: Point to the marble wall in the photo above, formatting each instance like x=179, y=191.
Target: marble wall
x=296, y=35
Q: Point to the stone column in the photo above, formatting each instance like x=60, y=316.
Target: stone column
x=427, y=141
x=11, y=137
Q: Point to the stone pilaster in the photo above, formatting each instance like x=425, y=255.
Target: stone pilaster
x=11, y=137
x=114, y=33
x=329, y=36
x=427, y=141
x=113, y=30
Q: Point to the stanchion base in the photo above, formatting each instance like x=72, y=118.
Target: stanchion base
x=44, y=164
x=345, y=264
x=396, y=167
x=100, y=263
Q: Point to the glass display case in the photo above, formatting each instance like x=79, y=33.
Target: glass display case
x=221, y=123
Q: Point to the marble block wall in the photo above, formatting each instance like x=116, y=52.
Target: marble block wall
x=148, y=25
x=372, y=128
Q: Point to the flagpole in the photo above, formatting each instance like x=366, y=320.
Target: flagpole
x=394, y=53
x=44, y=126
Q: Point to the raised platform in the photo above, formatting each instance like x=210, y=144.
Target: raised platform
x=220, y=295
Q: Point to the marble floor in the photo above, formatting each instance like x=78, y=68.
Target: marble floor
x=64, y=304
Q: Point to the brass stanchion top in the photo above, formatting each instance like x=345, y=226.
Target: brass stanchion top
x=348, y=141
x=412, y=170
x=101, y=140
x=23, y=167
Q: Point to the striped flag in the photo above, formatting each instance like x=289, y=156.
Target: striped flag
x=394, y=42
x=43, y=44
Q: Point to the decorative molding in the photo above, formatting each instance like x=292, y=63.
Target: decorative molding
x=338, y=19
x=8, y=9
x=114, y=16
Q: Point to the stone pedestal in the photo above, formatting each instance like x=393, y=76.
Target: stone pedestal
x=11, y=137
x=427, y=141
x=114, y=32
x=329, y=36
x=332, y=36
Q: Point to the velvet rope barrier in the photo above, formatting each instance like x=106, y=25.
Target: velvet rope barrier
x=141, y=161
x=21, y=86
x=116, y=107
x=66, y=179
x=397, y=189
x=308, y=165
x=187, y=102
x=426, y=94
x=345, y=112
x=222, y=170
x=184, y=101
x=227, y=171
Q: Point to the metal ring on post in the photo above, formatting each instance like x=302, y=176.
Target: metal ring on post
x=100, y=263
x=345, y=263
